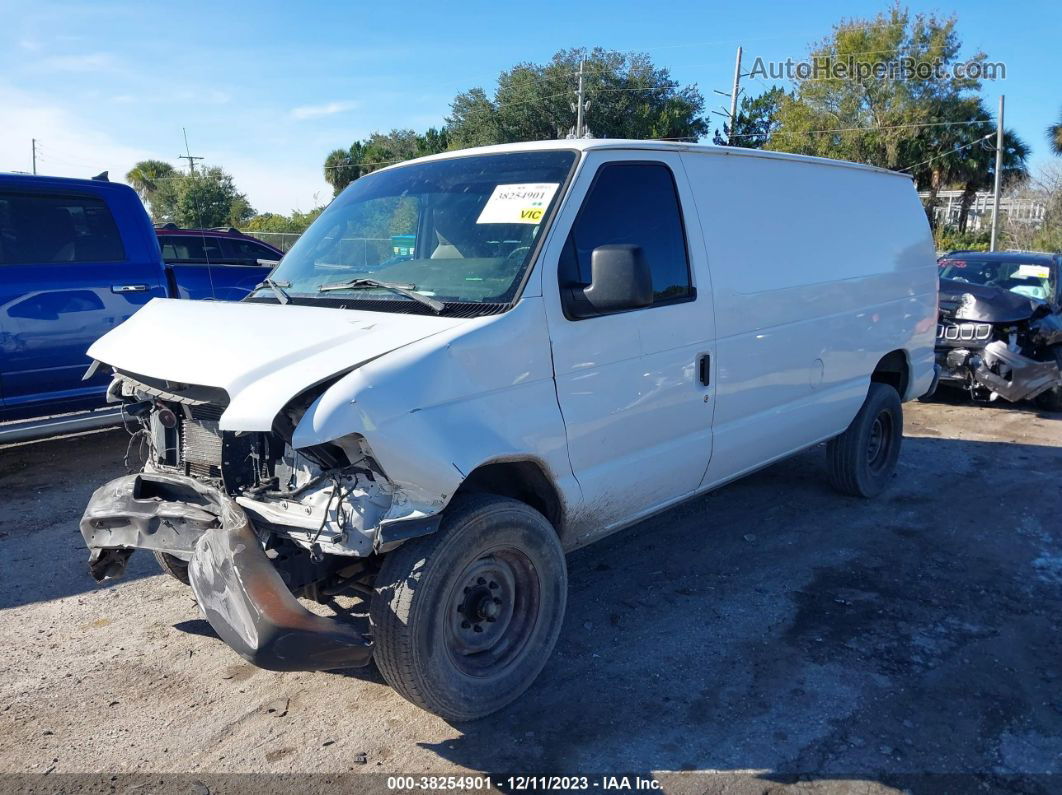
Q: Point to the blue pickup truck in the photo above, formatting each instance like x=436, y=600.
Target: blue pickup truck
x=78, y=257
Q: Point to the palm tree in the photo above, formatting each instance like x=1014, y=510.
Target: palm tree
x=343, y=166
x=146, y=176
x=1054, y=136
x=981, y=167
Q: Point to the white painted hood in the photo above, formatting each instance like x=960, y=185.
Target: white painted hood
x=262, y=355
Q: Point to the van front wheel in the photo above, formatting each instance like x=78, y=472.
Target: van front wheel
x=465, y=619
x=862, y=460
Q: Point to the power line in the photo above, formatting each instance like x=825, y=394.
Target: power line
x=951, y=152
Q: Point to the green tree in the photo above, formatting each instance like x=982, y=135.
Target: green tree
x=757, y=119
x=343, y=166
x=871, y=118
x=204, y=199
x=277, y=222
x=629, y=98
x=147, y=177
x=1054, y=136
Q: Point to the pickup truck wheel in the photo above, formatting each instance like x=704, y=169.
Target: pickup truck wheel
x=465, y=619
x=175, y=567
x=863, y=459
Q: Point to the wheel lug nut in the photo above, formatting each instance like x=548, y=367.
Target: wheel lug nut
x=477, y=628
x=466, y=590
x=493, y=585
x=481, y=581
x=497, y=601
x=465, y=625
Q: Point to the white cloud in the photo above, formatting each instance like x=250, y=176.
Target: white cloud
x=79, y=145
x=89, y=62
x=68, y=145
x=317, y=111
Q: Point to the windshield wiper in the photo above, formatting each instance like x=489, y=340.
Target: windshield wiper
x=277, y=288
x=401, y=289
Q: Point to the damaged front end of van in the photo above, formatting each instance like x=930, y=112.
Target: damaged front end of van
x=250, y=523
x=253, y=517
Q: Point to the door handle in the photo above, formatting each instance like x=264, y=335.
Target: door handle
x=704, y=368
x=129, y=288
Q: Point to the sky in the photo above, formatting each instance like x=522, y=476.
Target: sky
x=266, y=89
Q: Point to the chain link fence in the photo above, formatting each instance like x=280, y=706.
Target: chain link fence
x=281, y=240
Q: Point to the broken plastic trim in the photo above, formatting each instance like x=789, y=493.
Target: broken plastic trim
x=249, y=606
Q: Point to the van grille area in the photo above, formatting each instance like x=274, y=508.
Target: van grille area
x=201, y=442
x=198, y=448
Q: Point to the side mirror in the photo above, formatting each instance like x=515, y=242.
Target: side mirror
x=620, y=279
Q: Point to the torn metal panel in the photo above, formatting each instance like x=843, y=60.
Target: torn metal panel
x=1016, y=377
x=1047, y=330
x=247, y=603
x=158, y=512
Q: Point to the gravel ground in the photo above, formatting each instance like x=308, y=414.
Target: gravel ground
x=771, y=629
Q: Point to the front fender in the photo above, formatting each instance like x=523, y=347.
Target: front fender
x=435, y=410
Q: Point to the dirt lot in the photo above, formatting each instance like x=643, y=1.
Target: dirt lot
x=771, y=627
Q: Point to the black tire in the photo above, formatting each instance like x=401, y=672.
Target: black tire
x=432, y=593
x=175, y=567
x=1051, y=400
x=862, y=460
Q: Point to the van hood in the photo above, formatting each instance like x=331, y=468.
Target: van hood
x=261, y=355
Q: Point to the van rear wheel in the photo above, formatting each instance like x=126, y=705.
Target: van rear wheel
x=465, y=619
x=862, y=460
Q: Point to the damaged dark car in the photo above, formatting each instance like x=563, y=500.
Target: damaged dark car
x=1000, y=328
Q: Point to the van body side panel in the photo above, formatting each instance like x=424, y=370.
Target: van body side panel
x=818, y=272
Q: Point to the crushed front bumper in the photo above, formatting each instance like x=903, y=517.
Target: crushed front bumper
x=998, y=370
x=237, y=587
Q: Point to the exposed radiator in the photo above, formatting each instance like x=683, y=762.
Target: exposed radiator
x=201, y=442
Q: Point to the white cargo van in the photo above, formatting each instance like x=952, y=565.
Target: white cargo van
x=474, y=362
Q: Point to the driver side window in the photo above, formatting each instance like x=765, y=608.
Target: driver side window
x=636, y=204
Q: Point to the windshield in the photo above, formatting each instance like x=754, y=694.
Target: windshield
x=455, y=230
x=1033, y=280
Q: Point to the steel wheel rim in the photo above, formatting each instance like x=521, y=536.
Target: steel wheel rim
x=879, y=445
x=492, y=610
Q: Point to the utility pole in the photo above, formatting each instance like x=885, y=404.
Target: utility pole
x=579, y=131
x=999, y=175
x=734, y=98
x=34, y=155
x=188, y=153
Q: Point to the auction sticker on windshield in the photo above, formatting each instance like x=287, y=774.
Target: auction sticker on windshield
x=1032, y=272
x=518, y=204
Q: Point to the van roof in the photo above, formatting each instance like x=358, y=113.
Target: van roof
x=588, y=144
